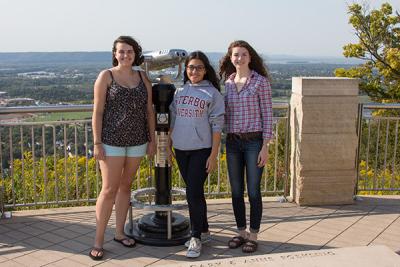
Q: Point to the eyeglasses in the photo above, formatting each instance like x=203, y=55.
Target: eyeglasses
x=195, y=67
x=129, y=52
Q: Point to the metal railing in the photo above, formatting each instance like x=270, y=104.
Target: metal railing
x=51, y=162
x=378, y=155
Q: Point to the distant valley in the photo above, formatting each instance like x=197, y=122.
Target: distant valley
x=68, y=77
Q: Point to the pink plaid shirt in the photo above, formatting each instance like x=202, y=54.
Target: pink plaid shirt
x=250, y=110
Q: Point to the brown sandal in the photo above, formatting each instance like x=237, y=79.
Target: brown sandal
x=250, y=246
x=99, y=253
x=236, y=241
x=126, y=242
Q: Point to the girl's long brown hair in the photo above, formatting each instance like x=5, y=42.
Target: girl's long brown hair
x=226, y=67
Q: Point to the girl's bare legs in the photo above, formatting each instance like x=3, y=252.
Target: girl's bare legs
x=243, y=233
x=111, y=170
x=130, y=168
x=253, y=236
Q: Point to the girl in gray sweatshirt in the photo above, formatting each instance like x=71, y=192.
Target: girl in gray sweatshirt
x=197, y=118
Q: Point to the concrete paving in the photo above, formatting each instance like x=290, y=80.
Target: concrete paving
x=64, y=236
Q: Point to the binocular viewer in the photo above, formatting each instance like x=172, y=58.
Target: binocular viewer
x=163, y=59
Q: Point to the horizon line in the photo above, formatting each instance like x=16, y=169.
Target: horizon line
x=102, y=51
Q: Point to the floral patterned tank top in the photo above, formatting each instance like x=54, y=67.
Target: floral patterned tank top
x=125, y=115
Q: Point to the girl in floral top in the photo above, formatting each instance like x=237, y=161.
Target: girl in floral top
x=248, y=118
x=123, y=132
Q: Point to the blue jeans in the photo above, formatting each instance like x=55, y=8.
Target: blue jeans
x=242, y=155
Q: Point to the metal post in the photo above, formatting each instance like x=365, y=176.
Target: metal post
x=1, y=202
x=163, y=228
x=359, y=135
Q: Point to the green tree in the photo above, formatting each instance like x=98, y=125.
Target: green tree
x=378, y=33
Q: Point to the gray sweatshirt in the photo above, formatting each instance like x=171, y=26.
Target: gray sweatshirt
x=196, y=112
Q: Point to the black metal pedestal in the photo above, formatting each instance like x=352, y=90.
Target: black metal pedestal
x=147, y=230
x=163, y=227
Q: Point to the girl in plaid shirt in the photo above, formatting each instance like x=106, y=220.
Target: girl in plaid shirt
x=248, y=117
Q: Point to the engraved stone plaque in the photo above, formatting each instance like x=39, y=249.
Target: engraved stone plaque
x=371, y=256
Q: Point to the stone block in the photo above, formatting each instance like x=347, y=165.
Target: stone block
x=328, y=175
x=324, y=86
x=326, y=151
x=326, y=115
x=339, y=100
x=328, y=192
x=319, y=118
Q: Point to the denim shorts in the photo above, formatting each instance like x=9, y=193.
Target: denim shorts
x=125, y=151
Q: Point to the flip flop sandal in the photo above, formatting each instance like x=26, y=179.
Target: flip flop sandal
x=236, y=241
x=250, y=246
x=126, y=242
x=99, y=253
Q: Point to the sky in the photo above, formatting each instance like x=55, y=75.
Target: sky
x=274, y=27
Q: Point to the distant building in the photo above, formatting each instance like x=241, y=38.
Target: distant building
x=15, y=102
x=37, y=74
x=3, y=94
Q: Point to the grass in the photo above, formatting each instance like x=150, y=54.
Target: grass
x=60, y=116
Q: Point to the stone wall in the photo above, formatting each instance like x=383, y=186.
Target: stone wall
x=323, y=140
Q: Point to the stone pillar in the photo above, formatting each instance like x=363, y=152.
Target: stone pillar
x=323, y=140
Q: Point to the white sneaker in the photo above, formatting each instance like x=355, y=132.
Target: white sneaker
x=205, y=237
x=194, y=248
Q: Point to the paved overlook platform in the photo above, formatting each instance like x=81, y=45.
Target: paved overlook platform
x=64, y=236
